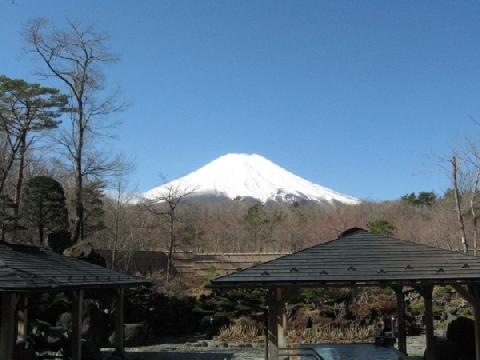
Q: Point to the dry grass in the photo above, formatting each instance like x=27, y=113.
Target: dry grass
x=240, y=332
x=243, y=329
x=331, y=334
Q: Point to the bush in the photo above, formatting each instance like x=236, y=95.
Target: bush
x=417, y=308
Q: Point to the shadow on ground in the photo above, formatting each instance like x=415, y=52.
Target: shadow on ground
x=166, y=355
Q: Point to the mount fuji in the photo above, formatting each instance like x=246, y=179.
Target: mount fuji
x=236, y=176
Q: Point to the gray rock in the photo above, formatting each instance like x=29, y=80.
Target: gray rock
x=45, y=336
x=23, y=353
x=84, y=250
x=91, y=351
x=115, y=356
x=461, y=332
x=445, y=350
x=135, y=335
x=95, y=324
x=64, y=320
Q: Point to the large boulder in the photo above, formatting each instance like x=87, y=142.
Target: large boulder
x=135, y=335
x=45, y=336
x=135, y=313
x=444, y=350
x=95, y=324
x=461, y=332
x=24, y=353
x=84, y=250
x=116, y=356
x=91, y=351
x=49, y=307
x=64, y=320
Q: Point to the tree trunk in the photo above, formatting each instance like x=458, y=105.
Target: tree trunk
x=41, y=235
x=458, y=205
x=170, y=245
x=79, y=228
x=473, y=204
x=117, y=225
x=5, y=171
x=21, y=168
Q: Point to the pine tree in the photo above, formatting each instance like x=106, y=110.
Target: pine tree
x=44, y=206
x=25, y=109
x=8, y=220
x=93, y=203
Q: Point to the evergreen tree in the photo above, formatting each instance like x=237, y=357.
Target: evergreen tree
x=423, y=198
x=8, y=220
x=24, y=109
x=381, y=227
x=93, y=202
x=426, y=198
x=44, y=206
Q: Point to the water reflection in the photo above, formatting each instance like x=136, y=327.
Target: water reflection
x=356, y=352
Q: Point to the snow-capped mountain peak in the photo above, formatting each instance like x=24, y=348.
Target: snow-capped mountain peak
x=253, y=176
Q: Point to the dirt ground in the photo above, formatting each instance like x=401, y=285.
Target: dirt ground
x=160, y=352
x=217, y=351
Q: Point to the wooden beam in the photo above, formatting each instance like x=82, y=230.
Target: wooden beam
x=9, y=324
x=402, y=334
x=77, y=310
x=120, y=322
x=276, y=323
x=430, y=339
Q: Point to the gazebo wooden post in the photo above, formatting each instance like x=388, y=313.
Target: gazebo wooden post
x=120, y=321
x=276, y=323
x=77, y=310
x=9, y=324
x=476, y=316
x=402, y=334
x=427, y=292
x=25, y=319
x=265, y=332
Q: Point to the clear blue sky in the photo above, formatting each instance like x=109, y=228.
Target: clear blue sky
x=360, y=96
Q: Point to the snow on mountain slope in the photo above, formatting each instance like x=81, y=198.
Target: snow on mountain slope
x=253, y=176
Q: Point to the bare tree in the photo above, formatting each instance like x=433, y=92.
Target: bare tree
x=172, y=195
x=473, y=210
x=75, y=56
x=458, y=203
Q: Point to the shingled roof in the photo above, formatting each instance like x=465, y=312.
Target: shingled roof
x=359, y=257
x=29, y=268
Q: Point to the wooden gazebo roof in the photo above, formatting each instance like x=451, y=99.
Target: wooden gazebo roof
x=358, y=257
x=29, y=268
